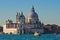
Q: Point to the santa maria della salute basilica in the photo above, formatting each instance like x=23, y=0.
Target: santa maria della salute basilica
x=23, y=26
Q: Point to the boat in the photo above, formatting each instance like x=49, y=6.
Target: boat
x=36, y=34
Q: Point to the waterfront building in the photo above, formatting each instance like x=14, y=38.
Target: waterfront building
x=32, y=25
x=10, y=27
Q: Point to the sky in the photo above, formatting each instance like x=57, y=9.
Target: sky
x=47, y=10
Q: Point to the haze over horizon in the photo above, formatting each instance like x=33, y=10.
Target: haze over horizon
x=47, y=10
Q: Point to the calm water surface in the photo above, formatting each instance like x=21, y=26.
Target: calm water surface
x=30, y=37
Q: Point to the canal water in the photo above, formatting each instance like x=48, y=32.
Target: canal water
x=30, y=37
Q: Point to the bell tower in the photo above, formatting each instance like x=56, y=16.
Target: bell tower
x=18, y=17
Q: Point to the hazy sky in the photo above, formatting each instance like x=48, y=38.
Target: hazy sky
x=48, y=10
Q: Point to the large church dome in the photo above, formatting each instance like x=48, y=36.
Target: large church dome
x=33, y=14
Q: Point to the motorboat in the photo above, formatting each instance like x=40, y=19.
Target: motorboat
x=36, y=34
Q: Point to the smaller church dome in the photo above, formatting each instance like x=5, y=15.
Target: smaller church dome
x=22, y=16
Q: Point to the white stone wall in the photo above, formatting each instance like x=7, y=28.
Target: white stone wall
x=4, y=28
x=11, y=30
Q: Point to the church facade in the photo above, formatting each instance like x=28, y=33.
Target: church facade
x=23, y=26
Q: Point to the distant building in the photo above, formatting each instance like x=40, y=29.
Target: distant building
x=1, y=29
x=22, y=26
x=52, y=28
